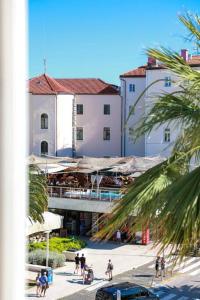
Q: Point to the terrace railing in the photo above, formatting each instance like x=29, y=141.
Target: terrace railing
x=102, y=194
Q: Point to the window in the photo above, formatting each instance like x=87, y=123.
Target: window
x=44, y=121
x=168, y=81
x=131, y=87
x=44, y=148
x=167, y=135
x=106, y=109
x=79, y=133
x=79, y=109
x=106, y=133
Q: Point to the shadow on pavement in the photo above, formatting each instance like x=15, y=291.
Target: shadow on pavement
x=64, y=274
x=103, y=245
x=31, y=295
x=143, y=275
x=77, y=281
x=186, y=290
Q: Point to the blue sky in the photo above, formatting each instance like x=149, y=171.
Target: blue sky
x=101, y=38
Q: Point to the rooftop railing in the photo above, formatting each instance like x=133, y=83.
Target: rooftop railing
x=102, y=194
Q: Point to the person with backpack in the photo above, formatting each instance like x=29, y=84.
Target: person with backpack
x=43, y=284
x=157, y=266
x=109, y=270
x=162, y=265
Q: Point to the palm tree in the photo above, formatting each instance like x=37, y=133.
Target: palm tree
x=167, y=197
x=38, y=197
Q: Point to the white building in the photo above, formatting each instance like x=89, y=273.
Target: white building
x=74, y=117
x=133, y=83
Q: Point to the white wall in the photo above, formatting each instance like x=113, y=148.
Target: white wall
x=155, y=144
x=129, y=99
x=64, y=125
x=42, y=104
x=93, y=121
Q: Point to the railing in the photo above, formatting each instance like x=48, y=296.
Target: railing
x=86, y=194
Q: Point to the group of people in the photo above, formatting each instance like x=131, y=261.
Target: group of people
x=41, y=284
x=160, y=266
x=122, y=236
x=80, y=263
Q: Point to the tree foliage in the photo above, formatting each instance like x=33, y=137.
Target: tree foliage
x=38, y=197
x=167, y=197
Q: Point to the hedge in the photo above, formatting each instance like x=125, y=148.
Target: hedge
x=38, y=257
x=57, y=244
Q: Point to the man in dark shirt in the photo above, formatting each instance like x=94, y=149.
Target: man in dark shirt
x=82, y=261
x=77, y=261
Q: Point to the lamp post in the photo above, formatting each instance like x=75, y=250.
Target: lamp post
x=47, y=249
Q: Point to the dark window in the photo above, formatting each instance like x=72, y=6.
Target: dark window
x=106, y=133
x=79, y=133
x=106, y=109
x=131, y=87
x=168, y=81
x=44, y=148
x=79, y=109
x=167, y=136
x=44, y=121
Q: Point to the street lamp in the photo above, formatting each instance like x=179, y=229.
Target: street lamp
x=47, y=248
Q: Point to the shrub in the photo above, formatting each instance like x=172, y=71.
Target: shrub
x=38, y=257
x=57, y=244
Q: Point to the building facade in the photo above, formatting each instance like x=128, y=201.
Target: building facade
x=74, y=117
x=160, y=141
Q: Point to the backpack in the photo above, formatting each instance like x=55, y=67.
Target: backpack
x=111, y=266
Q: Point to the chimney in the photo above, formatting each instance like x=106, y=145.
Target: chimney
x=151, y=61
x=185, y=54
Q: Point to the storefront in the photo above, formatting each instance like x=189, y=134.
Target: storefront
x=79, y=223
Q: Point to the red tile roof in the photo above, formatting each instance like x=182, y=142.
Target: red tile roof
x=88, y=86
x=139, y=72
x=193, y=61
x=46, y=85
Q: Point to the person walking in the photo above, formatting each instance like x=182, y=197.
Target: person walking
x=83, y=262
x=162, y=265
x=109, y=270
x=157, y=266
x=44, y=284
x=118, y=236
x=37, y=284
x=77, y=262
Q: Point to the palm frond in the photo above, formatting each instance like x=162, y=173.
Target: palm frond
x=173, y=61
x=38, y=197
x=178, y=107
x=192, y=23
x=140, y=199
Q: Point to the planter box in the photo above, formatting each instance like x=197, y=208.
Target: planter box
x=70, y=254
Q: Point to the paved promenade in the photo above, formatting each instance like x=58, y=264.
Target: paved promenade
x=124, y=258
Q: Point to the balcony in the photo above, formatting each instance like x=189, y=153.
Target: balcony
x=80, y=199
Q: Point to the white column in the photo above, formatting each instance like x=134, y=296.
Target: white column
x=13, y=126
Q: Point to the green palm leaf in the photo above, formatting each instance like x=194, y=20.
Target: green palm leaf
x=38, y=197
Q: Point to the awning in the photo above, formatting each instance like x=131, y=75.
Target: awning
x=88, y=165
x=51, y=221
